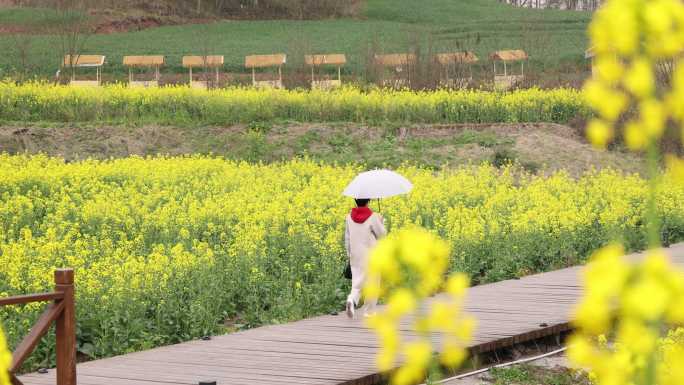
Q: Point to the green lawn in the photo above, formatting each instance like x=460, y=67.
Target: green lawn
x=22, y=16
x=549, y=36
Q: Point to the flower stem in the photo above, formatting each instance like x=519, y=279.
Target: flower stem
x=652, y=217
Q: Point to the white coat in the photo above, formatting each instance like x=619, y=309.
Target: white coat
x=359, y=239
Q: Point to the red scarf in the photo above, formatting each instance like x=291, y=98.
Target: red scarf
x=360, y=214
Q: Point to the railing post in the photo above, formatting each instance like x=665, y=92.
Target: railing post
x=66, y=329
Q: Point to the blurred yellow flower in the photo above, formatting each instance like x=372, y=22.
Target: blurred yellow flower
x=418, y=261
x=634, y=40
x=647, y=299
x=400, y=302
x=456, y=285
x=633, y=309
x=5, y=360
x=639, y=79
x=418, y=356
x=609, y=69
x=636, y=137
x=599, y=133
x=653, y=118
x=609, y=102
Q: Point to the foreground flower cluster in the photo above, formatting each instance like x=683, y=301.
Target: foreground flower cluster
x=408, y=267
x=635, y=305
x=5, y=360
x=183, y=105
x=638, y=94
x=638, y=45
x=168, y=249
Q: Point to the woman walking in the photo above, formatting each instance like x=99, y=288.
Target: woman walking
x=362, y=231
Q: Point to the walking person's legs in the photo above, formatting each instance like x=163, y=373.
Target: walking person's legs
x=354, y=297
x=369, y=305
x=352, y=301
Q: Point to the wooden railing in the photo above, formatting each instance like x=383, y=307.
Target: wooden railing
x=61, y=311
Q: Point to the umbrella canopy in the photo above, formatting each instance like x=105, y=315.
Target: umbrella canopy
x=377, y=184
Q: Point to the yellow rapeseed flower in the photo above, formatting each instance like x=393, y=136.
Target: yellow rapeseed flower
x=418, y=261
x=401, y=302
x=456, y=285
x=633, y=40
x=609, y=69
x=646, y=299
x=5, y=360
x=653, y=115
x=599, y=133
x=636, y=137
x=143, y=231
x=418, y=356
x=639, y=79
x=633, y=309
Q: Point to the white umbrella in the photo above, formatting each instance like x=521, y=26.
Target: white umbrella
x=377, y=184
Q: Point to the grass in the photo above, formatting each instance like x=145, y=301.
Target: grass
x=541, y=148
x=27, y=16
x=534, y=375
x=550, y=36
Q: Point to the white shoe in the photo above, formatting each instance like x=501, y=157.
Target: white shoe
x=350, y=309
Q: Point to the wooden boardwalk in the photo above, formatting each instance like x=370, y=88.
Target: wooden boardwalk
x=334, y=349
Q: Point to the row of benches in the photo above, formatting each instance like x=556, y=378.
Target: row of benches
x=399, y=63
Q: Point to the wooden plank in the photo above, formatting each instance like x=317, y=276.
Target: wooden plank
x=464, y=57
x=262, y=61
x=143, y=61
x=337, y=59
x=210, y=61
x=395, y=59
x=83, y=60
x=28, y=298
x=509, y=55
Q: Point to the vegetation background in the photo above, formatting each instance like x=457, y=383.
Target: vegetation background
x=555, y=39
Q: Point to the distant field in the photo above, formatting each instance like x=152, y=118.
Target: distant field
x=23, y=16
x=550, y=36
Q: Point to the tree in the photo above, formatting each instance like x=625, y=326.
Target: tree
x=73, y=26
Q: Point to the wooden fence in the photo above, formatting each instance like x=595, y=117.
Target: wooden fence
x=62, y=311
